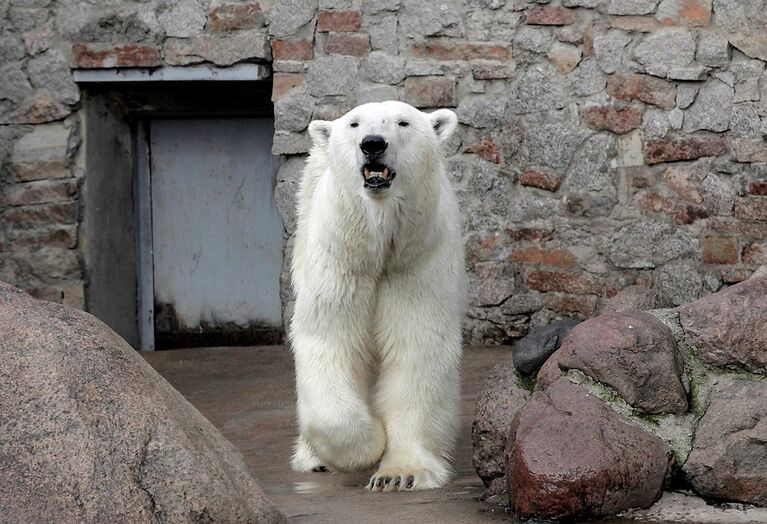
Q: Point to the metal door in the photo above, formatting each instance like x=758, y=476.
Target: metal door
x=216, y=234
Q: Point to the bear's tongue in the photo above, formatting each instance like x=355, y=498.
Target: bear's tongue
x=377, y=174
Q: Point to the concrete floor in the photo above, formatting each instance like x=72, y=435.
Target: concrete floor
x=248, y=393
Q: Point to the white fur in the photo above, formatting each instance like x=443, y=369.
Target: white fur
x=380, y=292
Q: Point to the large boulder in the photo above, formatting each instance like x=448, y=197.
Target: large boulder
x=633, y=352
x=728, y=328
x=532, y=351
x=91, y=433
x=729, y=454
x=570, y=456
x=503, y=394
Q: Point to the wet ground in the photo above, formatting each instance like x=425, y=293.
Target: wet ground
x=248, y=393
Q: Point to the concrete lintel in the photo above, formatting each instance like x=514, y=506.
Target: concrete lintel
x=237, y=72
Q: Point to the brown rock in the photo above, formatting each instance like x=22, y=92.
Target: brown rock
x=568, y=282
x=728, y=328
x=339, y=21
x=92, y=433
x=618, y=120
x=549, y=15
x=645, y=88
x=292, y=49
x=220, y=49
x=564, y=57
x=284, y=82
x=632, y=352
x=718, y=249
x=485, y=149
x=755, y=253
x=231, y=17
x=90, y=56
x=55, y=213
x=530, y=234
x=751, y=208
x=547, y=180
x=584, y=305
x=503, y=394
x=689, y=214
x=450, y=49
x=748, y=150
x=758, y=187
x=636, y=298
x=44, y=169
x=683, y=181
x=546, y=257
x=572, y=457
x=641, y=24
x=673, y=150
x=685, y=12
x=347, y=44
x=491, y=70
x=729, y=454
x=430, y=91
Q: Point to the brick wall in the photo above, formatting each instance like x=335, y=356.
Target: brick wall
x=602, y=142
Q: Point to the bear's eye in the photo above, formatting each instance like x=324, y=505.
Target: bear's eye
x=404, y=124
x=354, y=124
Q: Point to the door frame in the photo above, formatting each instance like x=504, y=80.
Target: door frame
x=142, y=191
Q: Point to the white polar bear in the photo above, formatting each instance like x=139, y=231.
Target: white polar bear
x=379, y=277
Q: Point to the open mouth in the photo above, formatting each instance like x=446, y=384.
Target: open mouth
x=377, y=177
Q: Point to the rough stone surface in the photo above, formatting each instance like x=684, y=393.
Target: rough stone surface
x=632, y=352
x=503, y=395
x=629, y=87
x=727, y=329
x=618, y=120
x=712, y=109
x=532, y=351
x=631, y=7
x=713, y=50
x=220, y=50
x=572, y=457
x=609, y=49
x=332, y=75
x=539, y=89
x=729, y=454
x=108, y=436
x=672, y=150
x=636, y=298
x=666, y=49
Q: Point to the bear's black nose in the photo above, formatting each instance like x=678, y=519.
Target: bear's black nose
x=373, y=145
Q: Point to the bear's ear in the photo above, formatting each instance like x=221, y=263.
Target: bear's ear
x=319, y=130
x=444, y=123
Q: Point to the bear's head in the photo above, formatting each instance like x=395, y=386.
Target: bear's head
x=375, y=143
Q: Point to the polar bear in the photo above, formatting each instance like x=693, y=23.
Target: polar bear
x=379, y=278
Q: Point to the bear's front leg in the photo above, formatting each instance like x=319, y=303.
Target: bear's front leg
x=418, y=390
x=331, y=346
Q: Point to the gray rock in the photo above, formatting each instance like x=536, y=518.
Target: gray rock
x=636, y=298
x=679, y=281
x=729, y=454
x=491, y=283
x=108, y=436
x=587, y=79
x=747, y=73
x=534, y=38
x=51, y=70
x=685, y=95
x=718, y=195
x=609, y=49
x=745, y=120
x=45, y=142
x=14, y=85
x=376, y=93
x=631, y=7
x=382, y=68
x=692, y=72
x=219, y=49
x=332, y=75
x=666, y=49
x=376, y=6
x=291, y=15
x=11, y=49
x=732, y=15
x=183, y=19
x=384, y=34
x=532, y=351
x=288, y=178
x=492, y=25
x=676, y=118
x=481, y=111
x=287, y=143
x=655, y=123
x=712, y=109
x=539, y=89
x=502, y=396
x=293, y=111
x=526, y=206
x=418, y=18
x=591, y=180
x=713, y=50
x=635, y=245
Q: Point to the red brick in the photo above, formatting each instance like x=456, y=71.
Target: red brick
x=549, y=15
x=546, y=257
x=751, y=208
x=448, y=49
x=641, y=24
x=748, y=150
x=690, y=13
x=632, y=86
x=232, y=17
x=530, y=235
x=720, y=249
x=672, y=150
x=95, y=56
x=485, y=149
x=347, y=44
x=59, y=213
x=755, y=253
x=757, y=187
x=292, y=49
x=339, y=21
x=284, y=82
x=688, y=214
x=617, y=120
x=430, y=91
x=562, y=303
x=567, y=282
x=41, y=192
x=655, y=203
x=541, y=179
x=47, y=169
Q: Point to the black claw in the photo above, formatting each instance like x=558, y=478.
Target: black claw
x=410, y=482
x=387, y=480
x=379, y=482
x=397, y=481
x=320, y=469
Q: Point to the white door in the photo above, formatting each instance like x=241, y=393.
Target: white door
x=216, y=232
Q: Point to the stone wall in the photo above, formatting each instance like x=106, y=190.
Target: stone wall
x=602, y=143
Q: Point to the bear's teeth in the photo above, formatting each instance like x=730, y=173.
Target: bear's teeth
x=385, y=172
x=366, y=172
